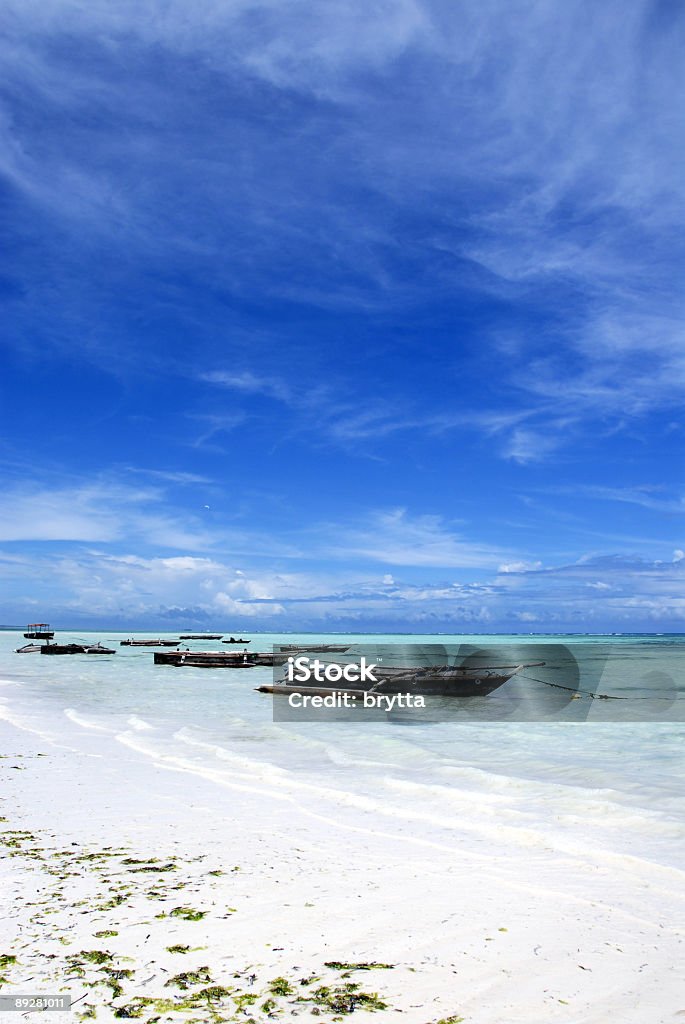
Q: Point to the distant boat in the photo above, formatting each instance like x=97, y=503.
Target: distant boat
x=99, y=648
x=39, y=631
x=203, y=659
x=29, y=649
x=149, y=643
x=316, y=648
x=234, y=641
x=201, y=636
x=218, y=659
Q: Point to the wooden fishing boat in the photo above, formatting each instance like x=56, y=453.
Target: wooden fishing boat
x=73, y=648
x=63, y=649
x=203, y=659
x=443, y=681
x=314, y=648
x=218, y=659
x=149, y=643
x=221, y=658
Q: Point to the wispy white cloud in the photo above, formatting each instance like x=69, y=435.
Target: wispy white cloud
x=249, y=383
x=519, y=566
x=107, y=511
x=325, y=415
x=396, y=538
x=85, y=512
x=650, y=496
x=181, y=477
x=215, y=427
x=525, y=445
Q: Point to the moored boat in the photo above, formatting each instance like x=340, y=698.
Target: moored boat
x=314, y=648
x=218, y=659
x=205, y=659
x=74, y=648
x=441, y=680
x=149, y=643
x=63, y=649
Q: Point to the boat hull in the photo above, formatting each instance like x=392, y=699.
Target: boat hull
x=433, y=681
x=149, y=643
x=313, y=648
x=63, y=649
x=217, y=659
x=464, y=688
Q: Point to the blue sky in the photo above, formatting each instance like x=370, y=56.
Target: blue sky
x=343, y=316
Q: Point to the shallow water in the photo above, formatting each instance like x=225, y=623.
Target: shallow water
x=602, y=789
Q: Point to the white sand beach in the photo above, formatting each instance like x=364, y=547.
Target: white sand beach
x=108, y=859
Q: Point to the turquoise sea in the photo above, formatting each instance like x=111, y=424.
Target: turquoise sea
x=608, y=788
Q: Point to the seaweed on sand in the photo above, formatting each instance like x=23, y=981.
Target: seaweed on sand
x=343, y=999
x=188, y=913
x=281, y=987
x=188, y=978
x=91, y=956
x=373, y=965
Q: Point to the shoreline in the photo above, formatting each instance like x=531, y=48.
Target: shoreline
x=523, y=937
